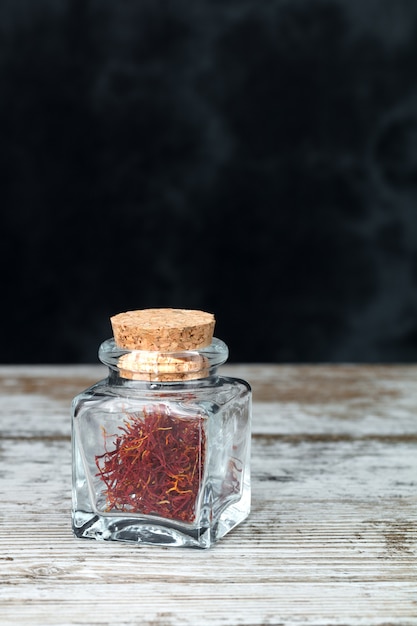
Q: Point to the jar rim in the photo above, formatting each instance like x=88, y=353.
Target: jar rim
x=198, y=363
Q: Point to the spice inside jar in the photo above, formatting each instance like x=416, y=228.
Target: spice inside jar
x=155, y=466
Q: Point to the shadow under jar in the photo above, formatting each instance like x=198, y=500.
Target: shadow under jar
x=161, y=447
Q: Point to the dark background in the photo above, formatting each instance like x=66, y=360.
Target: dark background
x=256, y=159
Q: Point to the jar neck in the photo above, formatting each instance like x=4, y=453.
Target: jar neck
x=162, y=367
x=114, y=379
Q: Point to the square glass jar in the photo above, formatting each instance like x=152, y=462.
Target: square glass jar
x=157, y=460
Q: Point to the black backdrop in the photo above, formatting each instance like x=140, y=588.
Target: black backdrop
x=253, y=159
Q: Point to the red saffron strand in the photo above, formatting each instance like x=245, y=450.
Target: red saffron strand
x=156, y=465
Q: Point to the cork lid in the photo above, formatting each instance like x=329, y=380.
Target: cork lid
x=158, y=340
x=163, y=330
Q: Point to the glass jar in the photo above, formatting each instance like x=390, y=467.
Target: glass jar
x=161, y=448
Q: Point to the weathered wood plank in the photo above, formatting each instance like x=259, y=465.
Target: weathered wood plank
x=332, y=538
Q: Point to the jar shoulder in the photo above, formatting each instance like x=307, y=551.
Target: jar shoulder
x=220, y=390
x=235, y=383
x=95, y=392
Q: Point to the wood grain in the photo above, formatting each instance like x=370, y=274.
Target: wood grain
x=332, y=537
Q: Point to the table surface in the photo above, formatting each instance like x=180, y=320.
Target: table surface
x=331, y=539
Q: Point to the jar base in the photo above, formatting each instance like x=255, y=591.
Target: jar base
x=151, y=531
x=132, y=530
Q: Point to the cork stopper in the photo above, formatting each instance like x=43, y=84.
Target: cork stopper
x=164, y=330
x=154, y=335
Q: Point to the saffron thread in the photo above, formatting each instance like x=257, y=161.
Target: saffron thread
x=156, y=465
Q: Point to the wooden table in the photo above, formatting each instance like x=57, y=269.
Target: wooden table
x=332, y=537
